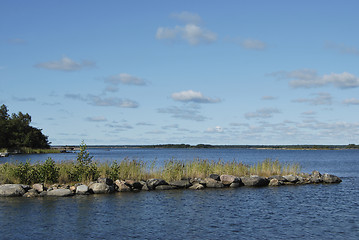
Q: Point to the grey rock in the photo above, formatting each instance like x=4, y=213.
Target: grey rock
x=153, y=183
x=329, y=178
x=212, y=183
x=291, y=178
x=60, y=192
x=315, y=177
x=279, y=178
x=107, y=181
x=122, y=186
x=31, y=193
x=229, y=179
x=185, y=183
x=274, y=182
x=166, y=187
x=215, y=177
x=82, y=189
x=11, y=190
x=100, y=188
x=236, y=184
x=255, y=181
x=39, y=187
x=135, y=185
x=196, y=186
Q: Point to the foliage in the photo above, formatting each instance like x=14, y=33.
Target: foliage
x=16, y=132
x=85, y=169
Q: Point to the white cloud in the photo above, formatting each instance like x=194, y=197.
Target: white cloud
x=125, y=78
x=187, y=17
x=321, y=99
x=192, y=96
x=308, y=78
x=262, y=113
x=217, y=129
x=24, y=99
x=65, y=64
x=96, y=119
x=104, y=102
x=268, y=98
x=191, y=32
x=344, y=49
x=111, y=102
x=253, y=44
x=351, y=101
x=187, y=113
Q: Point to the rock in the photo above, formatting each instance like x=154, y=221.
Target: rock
x=274, y=182
x=166, y=187
x=82, y=189
x=39, y=187
x=291, y=178
x=215, y=177
x=122, y=186
x=236, y=184
x=184, y=183
x=31, y=193
x=229, y=179
x=255, y=181
x=107, y=181
x=196, y=186
x=135, y=185
x=329, y=178
x=100, y=188
x=153, y=183
x=315, y=177
x=11, y=190
x=279, y=178
x=60, y=192
x=212, y=183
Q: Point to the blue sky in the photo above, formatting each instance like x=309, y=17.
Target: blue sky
x=154, y=72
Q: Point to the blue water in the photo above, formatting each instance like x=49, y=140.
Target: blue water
x=286, y=212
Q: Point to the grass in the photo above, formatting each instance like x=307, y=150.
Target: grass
x=71, y=172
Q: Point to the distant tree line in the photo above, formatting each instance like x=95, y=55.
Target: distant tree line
x=16, y=132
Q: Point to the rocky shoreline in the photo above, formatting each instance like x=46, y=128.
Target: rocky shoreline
x=106, y=185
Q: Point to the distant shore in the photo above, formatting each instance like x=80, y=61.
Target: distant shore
x=200, y=146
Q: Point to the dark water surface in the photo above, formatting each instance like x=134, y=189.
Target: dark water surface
x=286, y=212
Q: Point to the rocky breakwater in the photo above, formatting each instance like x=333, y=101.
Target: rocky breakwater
x=107, y=186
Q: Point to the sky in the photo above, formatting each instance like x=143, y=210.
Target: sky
x=194, y=72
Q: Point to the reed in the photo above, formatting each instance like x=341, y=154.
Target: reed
x=86, y=171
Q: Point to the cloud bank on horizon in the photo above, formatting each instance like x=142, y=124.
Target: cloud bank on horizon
x=269, y=73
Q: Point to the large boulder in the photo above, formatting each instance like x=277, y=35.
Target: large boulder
x=196, y=186
x=100, y=188
x=329, y=178
x=107, y=181
x=184, y=183
x=291, y=178
x=82, y=189
x=31, y=193
x=315, y=177
x=135, y=185
x=229, y=179
x=255, y=181
x=166, y=187
x=215, y=177
x=11, y=190
x=154, y=182
x=60, y=192
x=211, y=183
x=39, y=187
x=122, y=186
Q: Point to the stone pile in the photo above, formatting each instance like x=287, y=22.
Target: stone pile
x=106, y=185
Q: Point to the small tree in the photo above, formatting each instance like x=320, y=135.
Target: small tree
x=85, y=169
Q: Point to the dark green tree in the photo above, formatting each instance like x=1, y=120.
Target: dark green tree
x=16, y=132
